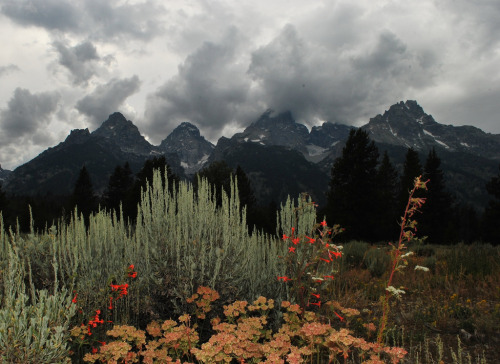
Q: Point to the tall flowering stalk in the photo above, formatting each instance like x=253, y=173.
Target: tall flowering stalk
x=399, y=258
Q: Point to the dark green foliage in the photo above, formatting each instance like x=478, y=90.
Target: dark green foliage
x=83, y=196
x=219, y=175
x=436, y=212
x=3, y=199
x=491, y=218
x=119, y=186
x=377, y=261
x=145, y=176
x=353, y=253
x=387, y=227
x=352, y=199
x=411, y=169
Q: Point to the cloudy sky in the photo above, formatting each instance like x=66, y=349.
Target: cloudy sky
x=68, y=64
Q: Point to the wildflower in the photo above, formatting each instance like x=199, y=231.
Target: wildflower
x=340, y=317
x=285, y=278
x=396, y=292
x=419, y=267
x=285, y=237
x=311, y=240
x=291, y=249
x=315, y=303
x=315, y=295
x=74, y=298
x=323, y=223
x=295, y=241
x=331, y=277
x=335, y=254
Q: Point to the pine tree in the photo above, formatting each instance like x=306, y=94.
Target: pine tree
x=119, y=185
x=352, y=197
x=245, y=191
x=83, y=196
x=144, y=177
x=491, y=217
x=437, y=209
x=411, y=170
x=219, y=175
x=387, y=189
x=3, y=199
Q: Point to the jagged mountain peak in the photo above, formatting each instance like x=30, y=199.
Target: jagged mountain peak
x=189, y=145
x=77, y=136
x=123, y=133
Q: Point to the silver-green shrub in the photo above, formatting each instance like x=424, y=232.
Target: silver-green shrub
x=34, y=328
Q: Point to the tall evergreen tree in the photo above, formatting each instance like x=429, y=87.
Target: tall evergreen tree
x=491, y=217
x=436, y=211
x=144, y=177
x=83, y=196
x=119, y=185
x=352, y=197
x=245, y=191
x=387, y=201
x=3, y=200
x=411, y=169
x=219, y=175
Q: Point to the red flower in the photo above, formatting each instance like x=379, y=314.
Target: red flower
x=94, y=350
x=311, y=240
x=323, y=223
x=331, y=277
x=285, y=278
x=74, y=298
x=291, y=249
x=295, y=241
x=335, y=254
x=285, y=237
x=340, y=317
x=132, y=274
x=315, y=295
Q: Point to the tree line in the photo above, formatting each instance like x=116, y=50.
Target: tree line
x=366, y=196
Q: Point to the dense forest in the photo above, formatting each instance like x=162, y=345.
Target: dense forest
x=366, y=196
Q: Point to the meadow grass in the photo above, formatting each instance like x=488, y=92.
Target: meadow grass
x=69, y=289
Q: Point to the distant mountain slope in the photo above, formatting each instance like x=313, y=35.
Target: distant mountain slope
x=279, y=155
x=192, y=149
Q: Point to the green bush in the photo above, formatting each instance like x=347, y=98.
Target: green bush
x=354, y=253
x=377, y=260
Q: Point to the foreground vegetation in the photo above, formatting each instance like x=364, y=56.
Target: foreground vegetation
x=189, y=283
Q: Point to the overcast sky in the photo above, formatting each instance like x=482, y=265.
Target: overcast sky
x=68, y=64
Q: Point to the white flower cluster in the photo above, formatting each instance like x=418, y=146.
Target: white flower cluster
x=419, y=267
x=395, y=291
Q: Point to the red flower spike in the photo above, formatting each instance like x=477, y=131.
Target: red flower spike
x=316, y=303
x=340, y=317
x=326, y=260
x=315, y=295
x=74, y=298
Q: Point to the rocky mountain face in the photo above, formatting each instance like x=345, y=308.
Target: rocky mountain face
x=3, y=174
x=279, y=155
x=406, y=124
x=186, y=142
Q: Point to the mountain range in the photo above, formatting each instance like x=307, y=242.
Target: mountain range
x=279, y=155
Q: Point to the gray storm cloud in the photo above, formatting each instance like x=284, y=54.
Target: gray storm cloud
x=104, y=20
x=5, y=70
x=80, y=60
x=107, y=98
x=211, y=90
x=27, y=114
